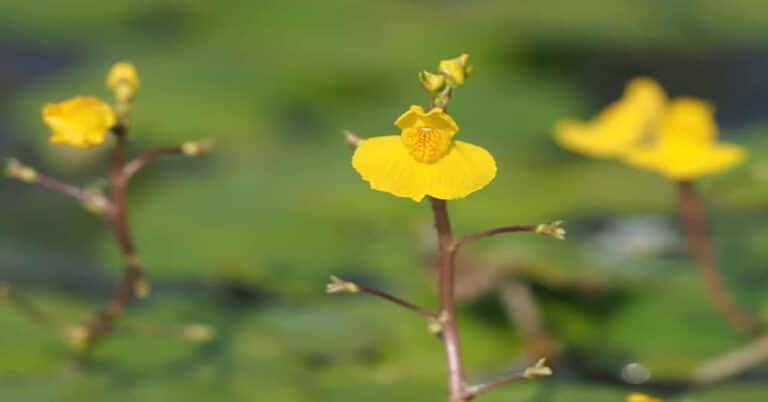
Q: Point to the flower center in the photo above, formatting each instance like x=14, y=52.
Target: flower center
x=426, y=144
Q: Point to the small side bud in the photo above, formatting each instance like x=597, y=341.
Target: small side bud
x=552, y=229
x=141, y=288
x=338, y=285
x=19, y=171
x=77, y=336
x=540, y=369
x=432, y=82
x=351, y=139
x=196, y=148
x=123, y=79
x=435, y=324
x=455, y=70
x=96, y=202
x=199, y=333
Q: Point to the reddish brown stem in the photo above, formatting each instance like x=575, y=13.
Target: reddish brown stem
x=134, y=165
x=445, y=273
x=693, y=220
x=394, y=299
x=101, y=323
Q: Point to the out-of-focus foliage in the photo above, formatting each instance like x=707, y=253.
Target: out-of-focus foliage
x=246, y=240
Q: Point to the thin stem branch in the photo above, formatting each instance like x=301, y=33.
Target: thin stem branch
x=477, y=390
x=338, y=285
x=493, y=232
x=394, y=299
x=693, y=220
x=25, y=307
x=539, y=369
x=445, y=271
x=134, y=165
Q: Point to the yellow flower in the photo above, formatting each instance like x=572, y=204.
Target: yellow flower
x=686, y=146
x=81, y=122
x=618, y=127
x=123, y=77
x=641, y=398
x=424, y=160
x=455, y=70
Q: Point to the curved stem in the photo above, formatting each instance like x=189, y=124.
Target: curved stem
x=445, y=273
x=693, y=220
x=101, y=323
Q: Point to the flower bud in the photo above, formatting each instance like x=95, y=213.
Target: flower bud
x=123, y=79
x=455, y=70
x=432, y=82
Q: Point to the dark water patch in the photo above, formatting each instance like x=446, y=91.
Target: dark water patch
x=731, y=77
x=24, y=62
x=170, y=21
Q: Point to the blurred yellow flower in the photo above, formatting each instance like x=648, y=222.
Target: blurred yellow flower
x=619, y=126
x=455, y=70
x=424, y=160
x=686, y=146
x=641, y=398
x=123, y=77
x=81, y=122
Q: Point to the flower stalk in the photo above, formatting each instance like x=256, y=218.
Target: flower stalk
x=425, y=161
x=693, y=221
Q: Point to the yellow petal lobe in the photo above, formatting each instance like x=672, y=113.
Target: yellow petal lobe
x=81, y=122
x=687, y=146
x=619, y=126
x=436, y=118
x=387, y=166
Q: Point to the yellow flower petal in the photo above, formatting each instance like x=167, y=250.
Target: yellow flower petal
x=386, y=164
x=81, y=122
x=465, y=169
x=690, y=120
x=618, y=127
x=687, y=162
x=687, y=146
x=416, y=117
x=637, y=397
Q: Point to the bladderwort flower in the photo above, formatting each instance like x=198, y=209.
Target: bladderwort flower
x=620, y=126
x=686, y=146
x=80, y=122
x=424, y=160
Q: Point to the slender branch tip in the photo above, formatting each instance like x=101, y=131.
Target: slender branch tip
x=352, y=140
x=540, y=369
x=17, y=170
x=338, y=285
x=552, y=229
x=197, y=148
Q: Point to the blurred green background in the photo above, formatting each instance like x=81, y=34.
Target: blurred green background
x=244, y=240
